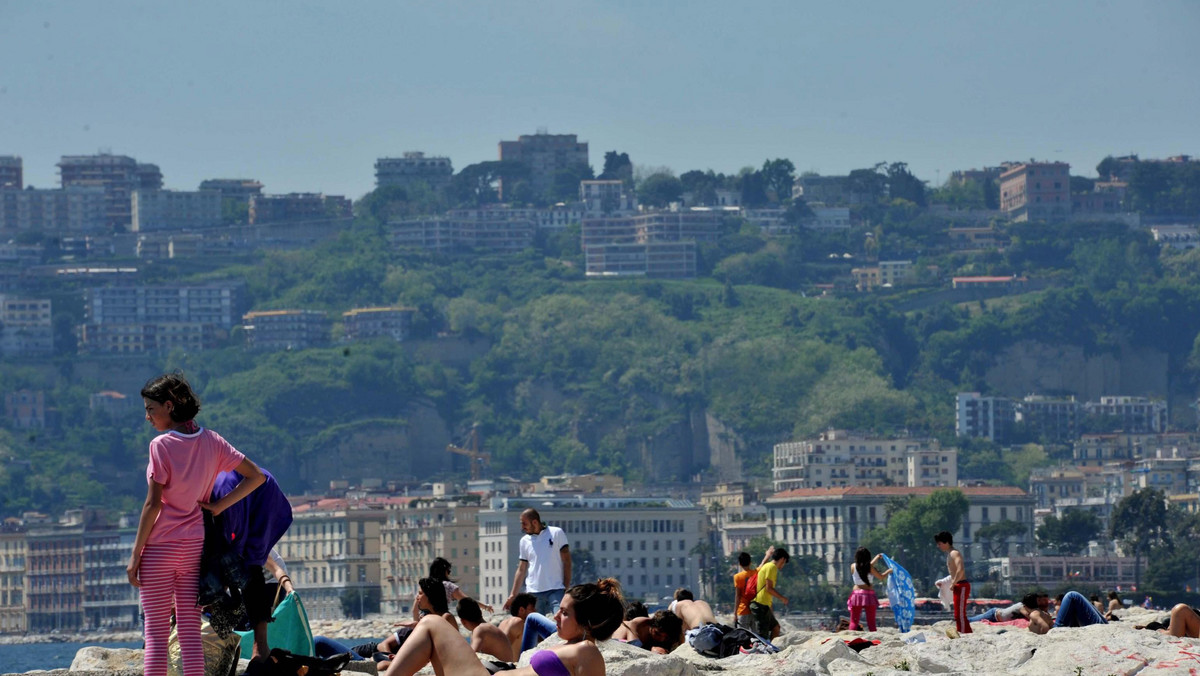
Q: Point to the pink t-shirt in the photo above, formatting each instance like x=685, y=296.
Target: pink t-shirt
x=186, y=465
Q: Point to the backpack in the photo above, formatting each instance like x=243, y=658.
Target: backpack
x=750, y=589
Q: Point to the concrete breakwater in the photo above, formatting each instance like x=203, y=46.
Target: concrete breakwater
x=1115, y=648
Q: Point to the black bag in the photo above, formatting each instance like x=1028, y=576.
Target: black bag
x=734, y=640
x=284, y=663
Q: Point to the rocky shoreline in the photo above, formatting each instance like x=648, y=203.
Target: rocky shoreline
x=1115, y=648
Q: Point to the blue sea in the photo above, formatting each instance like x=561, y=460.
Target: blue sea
x=29, y=656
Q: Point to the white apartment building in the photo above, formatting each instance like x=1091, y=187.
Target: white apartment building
x=607, y=197
x=418, y=530
x=12, y=578
x=1138, y=415
x=841, y=458
x=976, y=415
x=645, y=543
x=25, y=327
x=830, y=523
x=75, y=209
x=175, y=209
x=332, y=549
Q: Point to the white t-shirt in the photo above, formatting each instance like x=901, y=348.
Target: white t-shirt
x=855, y=577
x=545, y=562
x=450, y=589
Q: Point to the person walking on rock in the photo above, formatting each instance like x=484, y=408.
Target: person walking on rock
x=545, y=567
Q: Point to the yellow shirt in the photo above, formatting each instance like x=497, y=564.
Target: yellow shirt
x=768, y=571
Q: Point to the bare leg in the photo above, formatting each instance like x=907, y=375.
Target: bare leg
x=261, y=649
x=435, y=641
x=1184, y=621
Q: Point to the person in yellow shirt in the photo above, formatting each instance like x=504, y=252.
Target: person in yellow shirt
x=762, y=616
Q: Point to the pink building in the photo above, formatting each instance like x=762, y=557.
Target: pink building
x=1037, y=191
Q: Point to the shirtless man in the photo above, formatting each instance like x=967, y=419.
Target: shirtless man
x=958, y=579
x=693, y=613
x=485, y=636
x=660, y=633
x=513, y=627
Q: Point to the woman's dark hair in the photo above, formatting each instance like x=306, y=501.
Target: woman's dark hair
x=440, y=570
x=862, y=563
x=173, y=387
x=435, y=591
x=635, y=609
x=668, y=623
x=1113, y=595
x=599, y=607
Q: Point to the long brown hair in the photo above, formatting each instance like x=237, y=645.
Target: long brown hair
x=862, y=563
x=599, y=607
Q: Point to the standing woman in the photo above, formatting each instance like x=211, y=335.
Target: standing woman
x=863, y=597
x=184, y=462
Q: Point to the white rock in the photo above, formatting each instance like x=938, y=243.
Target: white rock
x=94, y=658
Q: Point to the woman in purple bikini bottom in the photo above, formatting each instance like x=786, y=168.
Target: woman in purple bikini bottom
x=588, y=613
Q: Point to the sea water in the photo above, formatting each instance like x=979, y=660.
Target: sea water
x=22, y=657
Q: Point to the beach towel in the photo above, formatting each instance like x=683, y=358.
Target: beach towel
x=945, y=592
x=901, y=594
x=1019, y=623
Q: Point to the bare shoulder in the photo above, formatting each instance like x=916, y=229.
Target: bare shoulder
x=585, y=656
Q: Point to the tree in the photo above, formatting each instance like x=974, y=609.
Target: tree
x=779, y=175
x=902, y=184
x=617, y=167
x=1069, y=534
x=754, y=188
x=867, y=185
x=476, y=184
x=659, y=190
x=996, y=535
x=566, y=182
x=908, y=535
x=1139, y=521
x=702, y=185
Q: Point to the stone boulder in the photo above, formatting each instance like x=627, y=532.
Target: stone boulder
x=94, y=658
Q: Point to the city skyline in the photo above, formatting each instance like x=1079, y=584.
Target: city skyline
x=304, y=97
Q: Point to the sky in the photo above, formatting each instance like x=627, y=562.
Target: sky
x=304, y=96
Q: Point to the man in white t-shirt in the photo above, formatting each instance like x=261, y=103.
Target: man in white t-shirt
x=545, y=567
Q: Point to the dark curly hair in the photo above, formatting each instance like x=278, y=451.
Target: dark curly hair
x=599, y=607
x=173, y=387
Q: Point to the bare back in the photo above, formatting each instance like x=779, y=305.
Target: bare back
x=694, y=613
x=514, y=629
x=487, y=638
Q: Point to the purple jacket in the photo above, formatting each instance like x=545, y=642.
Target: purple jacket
x=254, y=524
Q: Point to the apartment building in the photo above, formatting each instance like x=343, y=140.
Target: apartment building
x=1053, y=487
x=286, y=329
x=367, y=323
x=886, y=274
x=983, y=417
x=157, y=210
x=11, y=172
x=607, y=197
x=841, y=458
x=450, y=234
x=1036, y=191
x=544, y=155
x=73, y=209
x=662, y=260
x=418, y=530
x=829, y=523
x=297, y=207
x=1182, y=237
x=214, y=304
x=25, y=409
x=143, y=338
x=25, y=327
x=54, y=575
x=118, y=175
x=1094, y=450
x=556, y=217
x=12, y=577
x=412, y=168
x=645, y=543
x=110, y=603
x=1021, y=574
x=332, y=551
x=1135, y=415
x=735, y=536
x=1051, y=418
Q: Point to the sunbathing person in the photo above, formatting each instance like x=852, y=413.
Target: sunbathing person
x=431, y=600
x=514, y=627
x=485, y=637
x=661, y=633
x=693, y=613
x=1184, y=622
x=1073, y=611
x=1016, y=611
x=588, y=613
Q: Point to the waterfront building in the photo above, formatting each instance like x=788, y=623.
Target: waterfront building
x=416, y=531
x=332, y=553
x=12, y=576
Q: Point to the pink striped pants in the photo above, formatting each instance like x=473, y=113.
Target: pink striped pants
x=170, y=577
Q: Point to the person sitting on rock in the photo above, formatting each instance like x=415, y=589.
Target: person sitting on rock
x=514, y=627
x=485, y=636
x=660, y=633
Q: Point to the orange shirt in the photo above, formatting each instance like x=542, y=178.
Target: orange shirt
x=739, y=585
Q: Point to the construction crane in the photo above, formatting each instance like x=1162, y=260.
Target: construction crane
x=481, y=461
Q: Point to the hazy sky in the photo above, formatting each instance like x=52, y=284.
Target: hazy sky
x=304, y=96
